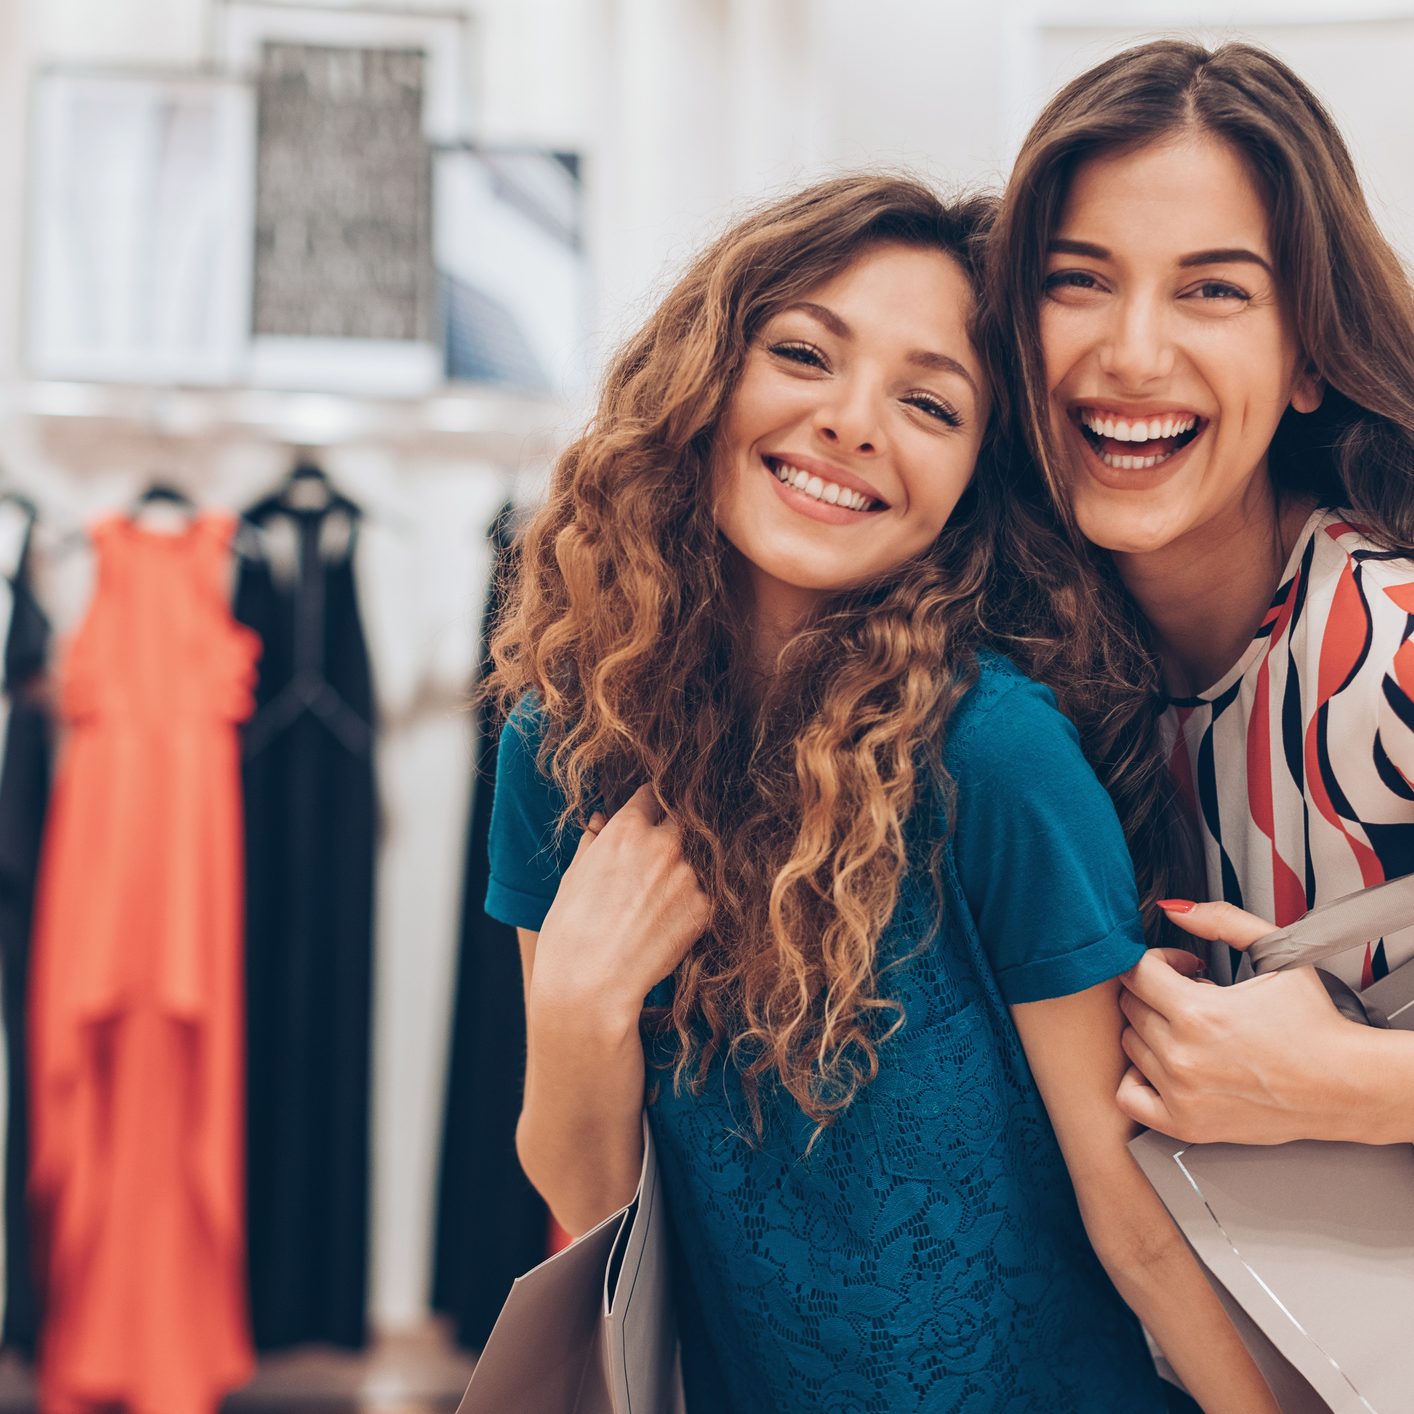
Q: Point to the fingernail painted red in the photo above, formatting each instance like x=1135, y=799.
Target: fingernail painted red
x=1176, y=905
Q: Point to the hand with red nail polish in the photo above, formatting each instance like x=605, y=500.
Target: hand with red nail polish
x=1246, y=1064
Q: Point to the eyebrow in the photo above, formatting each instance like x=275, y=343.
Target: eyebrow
x=1228, y=255
x=920, y=358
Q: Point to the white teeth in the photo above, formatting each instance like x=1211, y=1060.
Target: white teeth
x=819, y=489
x=1119, y=429
x=1131, y=463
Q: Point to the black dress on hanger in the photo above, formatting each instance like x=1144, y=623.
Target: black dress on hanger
x=311, y=818
x=24, y=800
x=491, y=1224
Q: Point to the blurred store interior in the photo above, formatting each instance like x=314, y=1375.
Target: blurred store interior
x=363, y=263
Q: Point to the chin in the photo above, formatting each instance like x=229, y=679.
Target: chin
x=811, y=579
x=1127, y=530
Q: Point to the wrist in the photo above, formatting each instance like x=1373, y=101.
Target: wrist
x=1377, y=1103
x=578, y=987
x=591, y=1011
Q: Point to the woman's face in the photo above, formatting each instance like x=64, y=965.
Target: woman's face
x=854, y=428
x=1169, y=355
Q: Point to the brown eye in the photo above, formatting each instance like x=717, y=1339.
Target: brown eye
x=1220, y=289
x=1070, y=280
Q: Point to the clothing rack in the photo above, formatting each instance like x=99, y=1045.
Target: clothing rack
x=480, y=423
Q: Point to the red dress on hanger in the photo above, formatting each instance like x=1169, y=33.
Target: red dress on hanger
x=136, y=1020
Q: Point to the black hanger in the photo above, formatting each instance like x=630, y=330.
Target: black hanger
x=161, y=493
x=306, y=489
x=157, y=493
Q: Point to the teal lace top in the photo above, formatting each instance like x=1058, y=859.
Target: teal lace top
x=927, y=1255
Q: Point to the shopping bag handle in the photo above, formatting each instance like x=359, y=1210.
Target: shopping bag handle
x=1337, y=926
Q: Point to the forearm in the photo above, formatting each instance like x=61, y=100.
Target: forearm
x=1157, y=1274
x=580, y=1137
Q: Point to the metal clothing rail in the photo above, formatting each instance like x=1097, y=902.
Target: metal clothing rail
x=501, y=427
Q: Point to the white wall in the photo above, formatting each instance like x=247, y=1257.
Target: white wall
x=686, y=110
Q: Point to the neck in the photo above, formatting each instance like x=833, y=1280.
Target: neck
x=1206, y=593
x=769, y=627
x=772, y=614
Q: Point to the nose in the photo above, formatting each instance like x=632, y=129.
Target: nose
x=1138, y=347
x=848, y=418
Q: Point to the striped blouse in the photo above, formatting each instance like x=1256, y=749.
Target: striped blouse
x=1299, y=762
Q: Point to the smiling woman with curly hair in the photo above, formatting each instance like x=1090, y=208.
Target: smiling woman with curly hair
x=801, y=866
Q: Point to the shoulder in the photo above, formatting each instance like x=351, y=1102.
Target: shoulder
x=1038, y=850
x=1005, y=716
x=1356, y=608
x=528, y=850
x=1341, y=548
x=525, y=727
x=1012, y=755
x=521, y=768
x=523, y=738
x=519, y=772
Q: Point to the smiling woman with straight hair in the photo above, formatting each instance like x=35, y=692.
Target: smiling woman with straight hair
x=1216, y=349
x=760, y=772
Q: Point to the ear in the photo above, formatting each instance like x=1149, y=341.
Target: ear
x=1308, y=390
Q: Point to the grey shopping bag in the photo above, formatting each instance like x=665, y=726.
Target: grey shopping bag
x=1311, y=1244
x=593, y=1330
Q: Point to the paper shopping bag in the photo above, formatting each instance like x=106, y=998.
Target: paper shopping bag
x=593, y=1330
x=1311, y=1244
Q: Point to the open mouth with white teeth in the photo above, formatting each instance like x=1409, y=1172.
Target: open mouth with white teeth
x=1137, y=443
x=818, y=489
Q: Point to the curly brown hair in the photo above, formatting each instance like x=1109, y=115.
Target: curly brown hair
x=623, y=626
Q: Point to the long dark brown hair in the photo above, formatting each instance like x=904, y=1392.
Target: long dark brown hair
x=1347, y=295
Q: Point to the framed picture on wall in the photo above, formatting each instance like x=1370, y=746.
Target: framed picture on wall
x=245, y=27
x=349, y=103
x=511, y=274
x=139, y=227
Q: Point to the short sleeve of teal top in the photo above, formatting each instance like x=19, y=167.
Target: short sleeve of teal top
x=526, y=862
x=927, y=1255
x=1038, y=850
